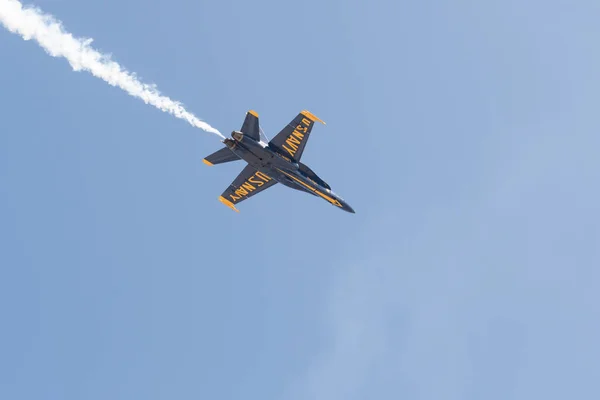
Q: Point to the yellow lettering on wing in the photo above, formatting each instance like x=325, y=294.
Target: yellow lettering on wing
x=295, y=138
x=256, y=182
x=262, y=176
x=248, y=186
x=298, y=134
x=292, y=141
x=241, y=191
x=292, y=152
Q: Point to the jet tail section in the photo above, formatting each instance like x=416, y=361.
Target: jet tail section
x=221, y=156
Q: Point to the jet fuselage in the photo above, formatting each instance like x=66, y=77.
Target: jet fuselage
x=273, y=165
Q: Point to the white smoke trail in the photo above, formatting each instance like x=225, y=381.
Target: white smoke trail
x=32, y=23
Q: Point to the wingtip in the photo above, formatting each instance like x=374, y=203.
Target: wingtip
x=205, y=161
x=228, y=203
x=312, y=116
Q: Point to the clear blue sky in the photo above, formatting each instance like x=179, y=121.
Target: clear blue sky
x=463, y=133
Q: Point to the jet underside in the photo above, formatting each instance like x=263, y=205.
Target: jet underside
x=273, y=162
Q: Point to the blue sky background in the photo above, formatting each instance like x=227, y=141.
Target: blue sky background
x=464, y=134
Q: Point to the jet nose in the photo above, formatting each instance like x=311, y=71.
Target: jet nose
x=348, y=208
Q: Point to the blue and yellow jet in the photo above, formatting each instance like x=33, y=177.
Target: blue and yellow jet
x=269, y=163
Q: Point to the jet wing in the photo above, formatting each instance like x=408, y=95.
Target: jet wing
x=250, y=127
x=248, y=183
x=292, y=139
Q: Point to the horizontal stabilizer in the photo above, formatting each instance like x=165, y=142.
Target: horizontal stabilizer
x=219, y=157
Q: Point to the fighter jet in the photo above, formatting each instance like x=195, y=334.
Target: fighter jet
x=272, y=162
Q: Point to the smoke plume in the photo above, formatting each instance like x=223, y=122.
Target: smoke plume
x=33, y=24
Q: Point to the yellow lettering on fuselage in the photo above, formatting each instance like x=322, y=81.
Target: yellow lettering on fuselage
x=247, y=187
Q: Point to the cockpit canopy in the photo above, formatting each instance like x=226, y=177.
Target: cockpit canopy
x=311, y=175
